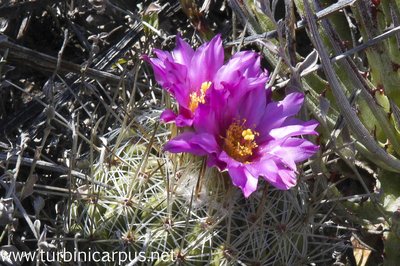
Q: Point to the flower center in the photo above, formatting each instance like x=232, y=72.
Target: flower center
x=239, y=142
x=198, y=97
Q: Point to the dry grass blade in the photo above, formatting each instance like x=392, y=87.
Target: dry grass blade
x=50, y=167
x=331, y=9
x=21, y=55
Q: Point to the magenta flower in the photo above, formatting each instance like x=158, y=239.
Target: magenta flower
x=249, y=135
x=187, y=75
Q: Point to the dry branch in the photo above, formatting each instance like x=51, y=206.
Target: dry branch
x=26, y=57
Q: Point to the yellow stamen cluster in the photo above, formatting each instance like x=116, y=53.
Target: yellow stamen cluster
x=239, y=142
x=248, y=134
x=198, y=97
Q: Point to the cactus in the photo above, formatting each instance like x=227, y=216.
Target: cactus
x=159, y=202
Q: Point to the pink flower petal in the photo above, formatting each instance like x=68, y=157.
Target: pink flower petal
x=167, y=116
x=206, y=61
x=182, y=53
x=243, y=179
x=306, y=128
